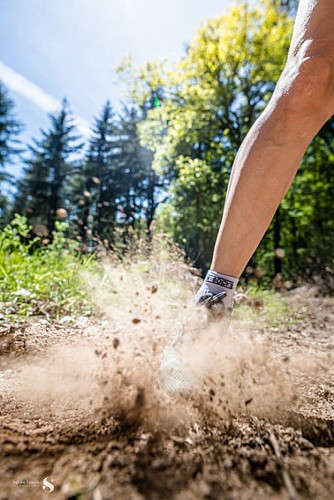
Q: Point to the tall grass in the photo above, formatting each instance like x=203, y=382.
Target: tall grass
x=54, y=278
x=39, y=277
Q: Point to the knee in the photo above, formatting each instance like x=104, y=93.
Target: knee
x=307, y=83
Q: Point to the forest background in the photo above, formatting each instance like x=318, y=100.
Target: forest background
x=162, y=164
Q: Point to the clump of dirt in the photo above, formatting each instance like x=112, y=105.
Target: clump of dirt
x=83, y=410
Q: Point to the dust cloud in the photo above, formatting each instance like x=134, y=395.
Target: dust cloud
x=112, y=369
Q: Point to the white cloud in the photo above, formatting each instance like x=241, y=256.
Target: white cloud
x=20, y=84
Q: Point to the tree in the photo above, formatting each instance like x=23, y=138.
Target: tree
x=288, y=5
x=42, y=190
x=10, y=147
x=143, y=186
x=309, y=210
x=117, y=187
x=96, y=182
x=209, y=100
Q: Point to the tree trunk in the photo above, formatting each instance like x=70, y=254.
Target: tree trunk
x=277, y=242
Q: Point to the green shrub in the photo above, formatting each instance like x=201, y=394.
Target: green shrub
x=37, y=277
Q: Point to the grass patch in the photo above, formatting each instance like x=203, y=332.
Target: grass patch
x=38, y=278
x=267, y=306
x=56, y=279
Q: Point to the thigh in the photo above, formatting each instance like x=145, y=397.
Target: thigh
x=314, y=27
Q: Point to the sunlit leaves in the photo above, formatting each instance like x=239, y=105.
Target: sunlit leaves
x=210, y=99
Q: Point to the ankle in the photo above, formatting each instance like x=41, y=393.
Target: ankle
x=216, y=283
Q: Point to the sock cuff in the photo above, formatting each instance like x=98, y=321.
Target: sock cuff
x=222, y=280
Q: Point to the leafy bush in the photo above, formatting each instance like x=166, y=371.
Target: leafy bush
x=40, y=277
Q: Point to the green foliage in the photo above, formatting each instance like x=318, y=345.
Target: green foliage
x=168, y=154
x=290, y=6
x=96, y=183
x=305, y=218
x=114, y=188
x=209, y=100
x=43, y=188
x=10, y=128
x=266, y=308
x=189, y=193
x=37, y=278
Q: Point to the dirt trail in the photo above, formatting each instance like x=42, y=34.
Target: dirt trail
x=80, y=410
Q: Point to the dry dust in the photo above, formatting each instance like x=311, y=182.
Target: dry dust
x=246, y=428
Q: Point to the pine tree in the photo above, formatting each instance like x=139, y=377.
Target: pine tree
x=10, y=128
x=117, y=187
x=131, y=166
x=290, y=6
x=142, y=186
x=98, y=184
x=42, y=190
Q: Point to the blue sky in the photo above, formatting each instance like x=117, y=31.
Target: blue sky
x=50, y=49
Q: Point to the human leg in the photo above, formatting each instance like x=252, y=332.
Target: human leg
x=266, y=164
x=269, y=157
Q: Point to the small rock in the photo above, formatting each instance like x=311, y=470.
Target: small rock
x=305, y=444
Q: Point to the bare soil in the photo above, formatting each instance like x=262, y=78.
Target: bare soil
x=81, y=410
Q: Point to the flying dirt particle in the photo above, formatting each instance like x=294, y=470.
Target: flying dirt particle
x=154, y=346
x=327, y=394
x=259, y=272
x=305, y=444
x=279, y=253
x=115, y=343
x=133, y=416
x=258, y=304
x=248, y=401
x=40, y=230
x=135, y=321
x=62, y=213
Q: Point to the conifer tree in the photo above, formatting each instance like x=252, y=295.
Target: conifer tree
x=143, y=185
x=118, y=187
x=42, y=190
x=98, y=186
x=10, y=128
x=288, y=5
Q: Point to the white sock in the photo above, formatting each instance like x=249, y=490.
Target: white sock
x=215, y=283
